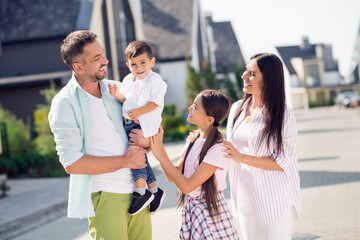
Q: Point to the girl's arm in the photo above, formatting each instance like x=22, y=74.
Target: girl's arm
x=186, y=185
x=266, y=163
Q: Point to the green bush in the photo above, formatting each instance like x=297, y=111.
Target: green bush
x=18, y=133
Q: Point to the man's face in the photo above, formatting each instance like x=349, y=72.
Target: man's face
x=94, y=62
x=141, y=65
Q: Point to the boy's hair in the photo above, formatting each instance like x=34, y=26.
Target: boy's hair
x=73, y=45
x=137, y=48
x=216, y=105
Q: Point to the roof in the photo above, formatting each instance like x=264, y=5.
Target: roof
x=167, y=27
x=289, y=52
x=27, y=20
x=227, y=47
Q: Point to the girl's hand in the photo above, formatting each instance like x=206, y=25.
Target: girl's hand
x=232, y=152
x=113, y=89
x=156, y=143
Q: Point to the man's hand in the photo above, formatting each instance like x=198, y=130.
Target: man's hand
x=137, y=139
x=135, y=156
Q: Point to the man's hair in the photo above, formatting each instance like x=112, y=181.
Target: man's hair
x=73, y=45
x=137, y=48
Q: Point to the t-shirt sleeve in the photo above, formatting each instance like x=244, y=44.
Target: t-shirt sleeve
x=158, y=91
x=215, y=157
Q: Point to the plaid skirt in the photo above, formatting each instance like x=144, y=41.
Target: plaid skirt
x=198, y=224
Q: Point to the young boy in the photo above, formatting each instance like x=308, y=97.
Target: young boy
x=142, y=94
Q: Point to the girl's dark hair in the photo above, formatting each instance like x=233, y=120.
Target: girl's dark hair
x=216, y=105
x=73, y=45
x=272, y=96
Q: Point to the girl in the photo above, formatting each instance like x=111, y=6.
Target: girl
x=201, y=172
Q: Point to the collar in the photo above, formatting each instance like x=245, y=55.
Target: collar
x=74, y=84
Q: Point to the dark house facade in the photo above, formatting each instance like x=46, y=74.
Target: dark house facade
x=31, y=33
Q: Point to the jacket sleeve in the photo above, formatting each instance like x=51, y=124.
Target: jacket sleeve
x=66, y=131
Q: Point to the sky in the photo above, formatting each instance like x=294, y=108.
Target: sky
x=260, y=25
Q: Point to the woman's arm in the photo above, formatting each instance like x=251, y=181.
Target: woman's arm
x=186, y=185
x=266, y=163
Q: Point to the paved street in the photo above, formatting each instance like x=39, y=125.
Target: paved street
x=328, y=147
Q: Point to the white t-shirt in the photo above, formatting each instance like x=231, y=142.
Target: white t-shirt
x=214, y=156
x=138, y=93
x=105, y=141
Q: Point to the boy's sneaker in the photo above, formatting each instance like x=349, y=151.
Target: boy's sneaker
x=158, y=200
x=139, y=202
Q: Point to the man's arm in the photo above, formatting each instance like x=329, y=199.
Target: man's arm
x=137, y=112
x=88, y=164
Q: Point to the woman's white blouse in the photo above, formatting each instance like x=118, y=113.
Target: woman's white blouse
x=272, y=193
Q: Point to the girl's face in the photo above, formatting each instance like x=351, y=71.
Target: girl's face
x=253, y=79
x=197, y=114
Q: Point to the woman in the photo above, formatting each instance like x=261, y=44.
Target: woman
x=264, y=175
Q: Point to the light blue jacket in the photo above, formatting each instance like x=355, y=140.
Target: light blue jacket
x=71, y=123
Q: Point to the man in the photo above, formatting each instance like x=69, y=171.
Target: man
x=93, y=147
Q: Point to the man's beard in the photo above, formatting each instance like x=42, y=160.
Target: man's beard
x=96, y=77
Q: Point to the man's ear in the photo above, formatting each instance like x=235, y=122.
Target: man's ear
x=78, y=67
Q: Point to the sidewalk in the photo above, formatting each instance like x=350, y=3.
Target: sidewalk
x=328, y=148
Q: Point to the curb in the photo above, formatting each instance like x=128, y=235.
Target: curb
x=32, y=221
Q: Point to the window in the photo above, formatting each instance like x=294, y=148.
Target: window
x=312, y=75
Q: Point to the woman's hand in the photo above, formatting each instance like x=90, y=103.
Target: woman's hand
x=156, y=144
x=191, y=135
x=232, y=152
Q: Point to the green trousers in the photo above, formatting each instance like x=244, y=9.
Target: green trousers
x=112, y=220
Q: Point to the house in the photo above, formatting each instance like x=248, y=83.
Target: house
x=224, y=49
x=313, y=73
x=179, y=31
x=30, y=37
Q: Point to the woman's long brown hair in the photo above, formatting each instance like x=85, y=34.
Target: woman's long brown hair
x=272, y=96
x=216, y=105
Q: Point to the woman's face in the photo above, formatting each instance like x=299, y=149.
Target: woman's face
x=253, y=79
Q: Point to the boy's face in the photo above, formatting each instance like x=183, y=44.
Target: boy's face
x=140, y=65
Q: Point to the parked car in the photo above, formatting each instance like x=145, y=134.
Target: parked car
x=347, y=99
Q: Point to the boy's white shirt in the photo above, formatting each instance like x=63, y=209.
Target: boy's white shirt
x=152, y=88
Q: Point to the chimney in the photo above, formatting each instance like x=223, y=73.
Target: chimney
x=305, y=44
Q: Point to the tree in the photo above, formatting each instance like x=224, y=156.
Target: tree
x=44, y=141
x=193, y=84
x=230, y=87
x=238, y=71
x=209, y=76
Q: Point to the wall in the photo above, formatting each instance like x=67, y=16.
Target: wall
x=174, y=74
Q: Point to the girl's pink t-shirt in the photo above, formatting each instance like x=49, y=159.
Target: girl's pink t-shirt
x=214, y=156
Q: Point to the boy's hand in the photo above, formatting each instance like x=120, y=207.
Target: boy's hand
x=114, y=91
x=134, y=114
